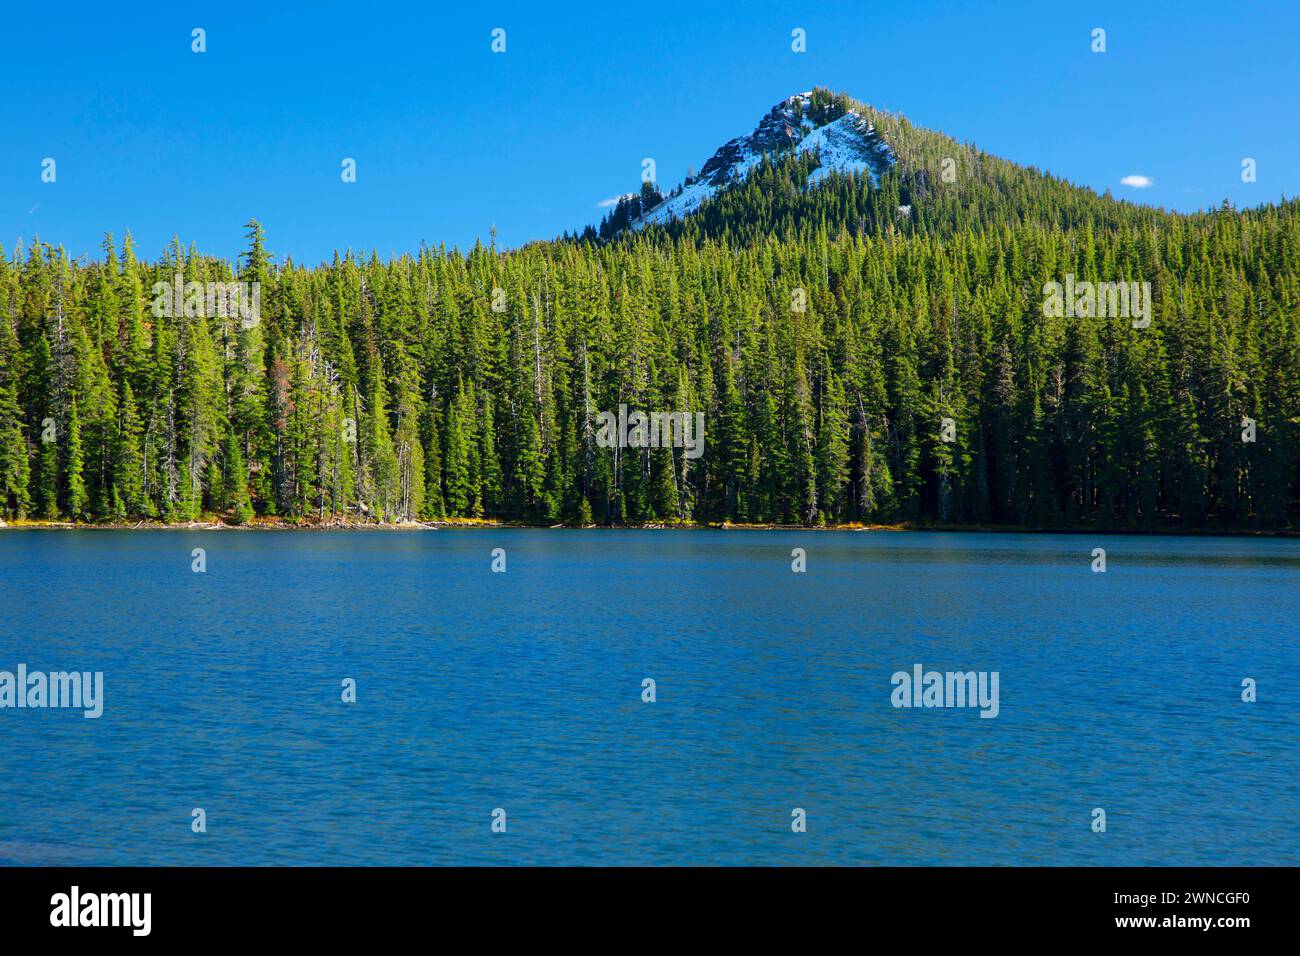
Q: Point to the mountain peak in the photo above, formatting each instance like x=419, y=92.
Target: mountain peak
x=814, y=121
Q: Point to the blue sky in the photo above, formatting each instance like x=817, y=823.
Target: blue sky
x=451, y=139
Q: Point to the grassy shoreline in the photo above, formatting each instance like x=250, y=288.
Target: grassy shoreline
x=217, y=523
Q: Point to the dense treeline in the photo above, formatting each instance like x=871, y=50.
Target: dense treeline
x=824, y=357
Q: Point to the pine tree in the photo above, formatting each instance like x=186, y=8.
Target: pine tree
x=74, y=466
x=15, y=473
x=233, y=490
x=128, y=464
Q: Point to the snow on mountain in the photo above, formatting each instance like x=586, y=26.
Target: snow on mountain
x=846, y=144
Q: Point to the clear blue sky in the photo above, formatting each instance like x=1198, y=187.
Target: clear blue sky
x=450, y=138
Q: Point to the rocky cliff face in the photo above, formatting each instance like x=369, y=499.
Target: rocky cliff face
x=843, y=141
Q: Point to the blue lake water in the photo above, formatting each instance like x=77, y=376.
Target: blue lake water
x=522, y=691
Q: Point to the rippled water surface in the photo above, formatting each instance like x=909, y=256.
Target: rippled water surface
x=523, y=691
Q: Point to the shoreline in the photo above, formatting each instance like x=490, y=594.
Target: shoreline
x=452, y=524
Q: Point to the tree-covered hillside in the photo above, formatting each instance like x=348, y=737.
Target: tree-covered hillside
x=943, y=186
x=824, y=334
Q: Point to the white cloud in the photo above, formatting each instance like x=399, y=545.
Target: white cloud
x=1137, y=182
x=606, y=203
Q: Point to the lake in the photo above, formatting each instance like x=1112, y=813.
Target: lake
x=773, y=692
